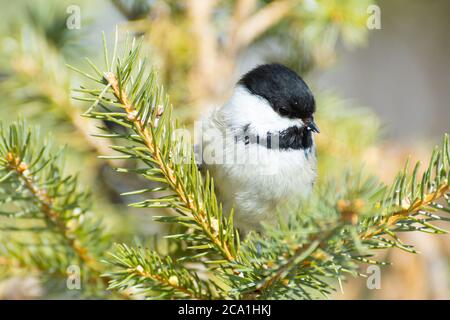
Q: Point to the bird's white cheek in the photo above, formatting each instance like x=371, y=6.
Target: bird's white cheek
x=245, y=108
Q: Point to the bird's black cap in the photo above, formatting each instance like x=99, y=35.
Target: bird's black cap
x=283, y=88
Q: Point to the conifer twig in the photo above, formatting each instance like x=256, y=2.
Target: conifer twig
x=35, y=184
x=397, y=216
x=168, y=172
x=139, y=267
x=52, y=216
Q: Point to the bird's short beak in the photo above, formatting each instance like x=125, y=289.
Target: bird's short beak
x=312, y=126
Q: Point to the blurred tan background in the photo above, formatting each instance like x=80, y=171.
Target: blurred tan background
x=403, y=73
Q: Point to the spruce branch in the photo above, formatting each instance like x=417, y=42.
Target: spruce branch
x=45, y=205
x=169, y=172
x=148, y=273
x=300, y=254
x=416, y=208
x=409, y=204
x=144, y=110
x=358, y=230
x=47, y=208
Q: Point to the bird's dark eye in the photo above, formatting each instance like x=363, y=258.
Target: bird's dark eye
x=283, y=111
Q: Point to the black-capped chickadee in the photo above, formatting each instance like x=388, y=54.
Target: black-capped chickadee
x=259, y=147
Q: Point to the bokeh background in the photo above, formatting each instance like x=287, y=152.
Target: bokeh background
x=383, y=95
